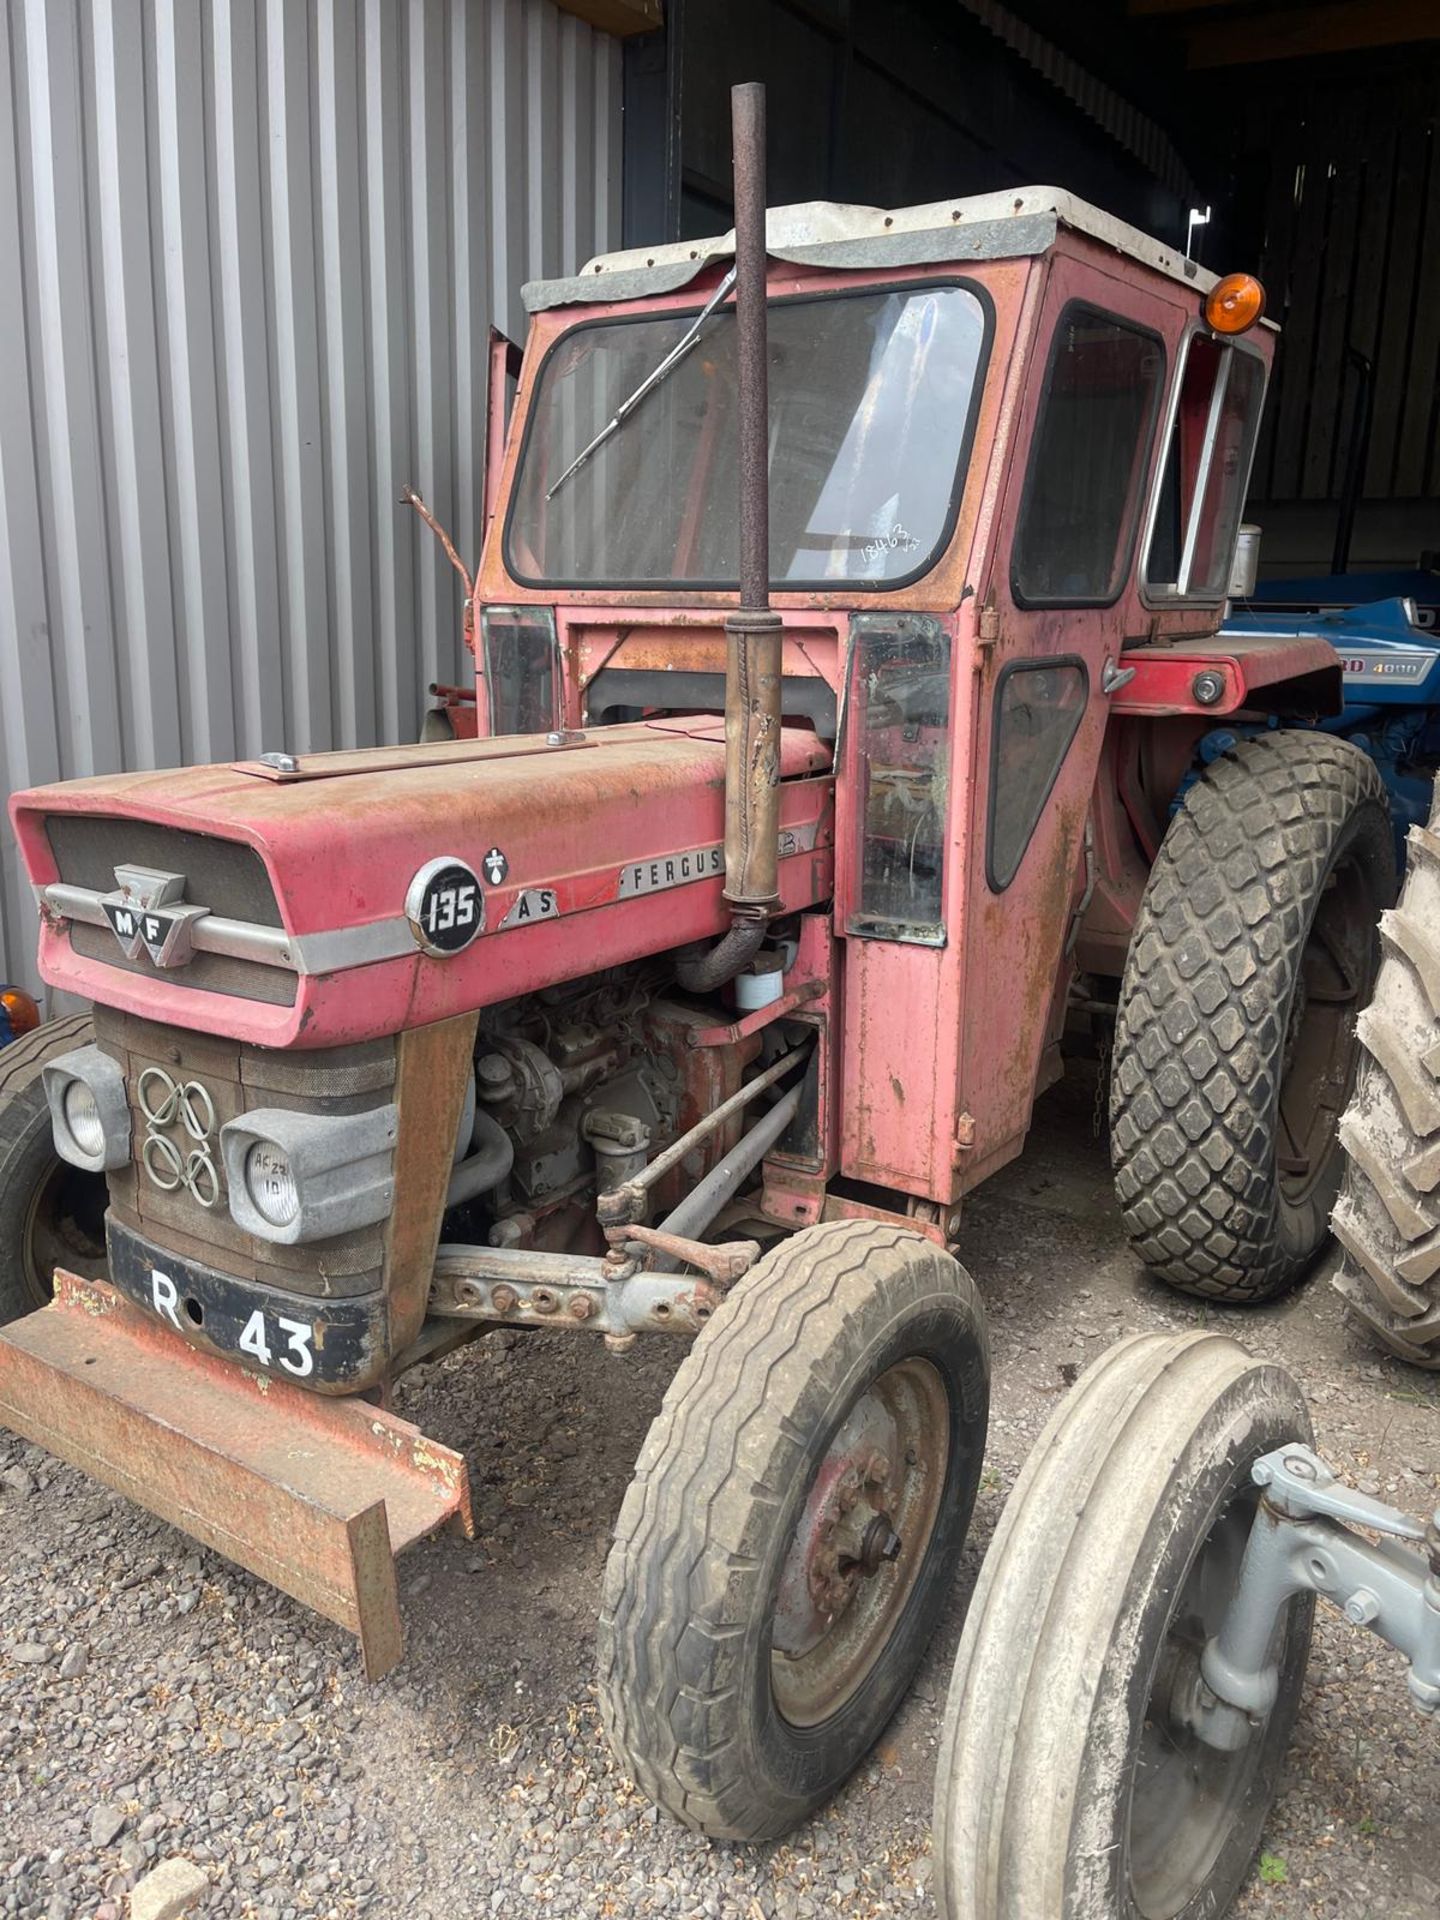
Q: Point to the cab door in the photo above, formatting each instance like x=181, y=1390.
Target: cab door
x=1058, y=601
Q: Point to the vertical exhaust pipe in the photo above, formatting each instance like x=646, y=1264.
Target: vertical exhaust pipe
x=752, y=632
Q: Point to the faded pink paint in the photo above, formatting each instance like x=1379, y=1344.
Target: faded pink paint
x=341, y=851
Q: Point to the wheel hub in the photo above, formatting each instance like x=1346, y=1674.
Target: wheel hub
x=860, y=1542
x=848, y=1538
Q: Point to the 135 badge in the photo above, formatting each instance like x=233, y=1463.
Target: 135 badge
x=445, y=906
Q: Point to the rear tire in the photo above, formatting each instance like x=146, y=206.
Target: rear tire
x=1069, y=1783
x=51, y=1214
x=752, y=1645
x=1388, y=1216
x=1235, y=1052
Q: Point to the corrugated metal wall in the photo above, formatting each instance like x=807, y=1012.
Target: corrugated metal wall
x=249, y=254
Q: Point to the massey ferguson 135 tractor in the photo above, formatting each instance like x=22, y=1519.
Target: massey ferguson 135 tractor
x=824, y=738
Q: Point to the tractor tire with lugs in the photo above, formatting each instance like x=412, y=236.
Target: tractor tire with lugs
x=1387, y=1219
x=1235, y=1051
x=51, y=1214
x=793, y=1527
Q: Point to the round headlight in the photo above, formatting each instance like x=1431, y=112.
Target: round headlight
x=271, y=1184
x=82, y=1117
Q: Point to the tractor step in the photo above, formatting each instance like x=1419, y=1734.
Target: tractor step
x=315, y=1495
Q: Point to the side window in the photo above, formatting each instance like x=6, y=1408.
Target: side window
x=902, y=713
x=520, y=668
x=1038, y=706
x=1205, y=472
x=1088, y=459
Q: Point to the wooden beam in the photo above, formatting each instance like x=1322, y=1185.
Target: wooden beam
x=1299, y=32
x=620, y=17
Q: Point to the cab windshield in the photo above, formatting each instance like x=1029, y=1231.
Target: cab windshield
x=872, y=397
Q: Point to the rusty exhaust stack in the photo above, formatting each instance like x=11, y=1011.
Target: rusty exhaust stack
x=752, y=671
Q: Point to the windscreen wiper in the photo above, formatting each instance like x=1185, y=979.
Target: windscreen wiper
x=627, y=407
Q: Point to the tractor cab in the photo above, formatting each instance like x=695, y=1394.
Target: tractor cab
x=1008, y=445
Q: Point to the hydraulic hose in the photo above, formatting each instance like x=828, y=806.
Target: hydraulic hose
x=485, y=1169
x=704, y=972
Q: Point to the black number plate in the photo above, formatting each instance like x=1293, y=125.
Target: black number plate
x=341, y=1348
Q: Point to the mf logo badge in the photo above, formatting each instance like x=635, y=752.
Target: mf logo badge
x=177, y=1114
x=148, y=910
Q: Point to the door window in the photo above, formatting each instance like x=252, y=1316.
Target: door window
x=1088, y=460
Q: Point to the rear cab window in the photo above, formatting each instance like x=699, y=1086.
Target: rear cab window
x=1200, y=490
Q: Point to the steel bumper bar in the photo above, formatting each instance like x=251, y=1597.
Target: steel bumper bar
x=315, y=1495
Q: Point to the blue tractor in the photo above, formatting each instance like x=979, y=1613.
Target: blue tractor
x=1387, y=1219
x=1391, y=668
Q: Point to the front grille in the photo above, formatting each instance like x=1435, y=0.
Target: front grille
x=204, y=972
x=162, y=1193
x=224, y=875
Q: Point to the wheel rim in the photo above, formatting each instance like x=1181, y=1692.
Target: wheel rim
x=1337, y=968
x=64, y=1227
x=1185, y=1794
x=861, y=1542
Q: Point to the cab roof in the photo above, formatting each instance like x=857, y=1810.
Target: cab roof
x=825, y=233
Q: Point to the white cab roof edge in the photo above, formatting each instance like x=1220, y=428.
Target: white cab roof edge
x=1019, y=220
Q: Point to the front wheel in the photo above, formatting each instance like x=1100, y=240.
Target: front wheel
x=793, y=1527
x=51, y=1214
x=1073, y=1780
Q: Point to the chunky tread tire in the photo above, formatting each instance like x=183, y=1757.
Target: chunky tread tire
x=1387, y=1219
x=1205, y=1007
x=684, y=1652
x=1052, y=1678
x=27, y=1152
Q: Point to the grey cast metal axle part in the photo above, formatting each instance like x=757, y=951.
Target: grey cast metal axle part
x=1301, y=1542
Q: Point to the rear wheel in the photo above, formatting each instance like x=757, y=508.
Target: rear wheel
x=793, y=1527
x=1071, y=1779
x=1388, y=1216
x=1235, y=1051
x=51, y=1214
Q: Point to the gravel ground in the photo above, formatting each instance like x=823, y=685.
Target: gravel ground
x=155, y=1701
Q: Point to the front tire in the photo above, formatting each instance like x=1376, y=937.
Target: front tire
x=793, y=1527
x=51, y=1214
x=1070, y=1782
x=1235, y=1051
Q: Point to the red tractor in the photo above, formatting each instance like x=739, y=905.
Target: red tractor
x=845, y=628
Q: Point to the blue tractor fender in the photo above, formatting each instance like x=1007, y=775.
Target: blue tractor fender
x=1390, y=672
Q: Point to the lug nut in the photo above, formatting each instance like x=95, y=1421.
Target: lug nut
x=504, y=1299
x=582, y=1306
x=1208, y=687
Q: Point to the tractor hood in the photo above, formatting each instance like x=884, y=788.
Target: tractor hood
x=324, y=899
